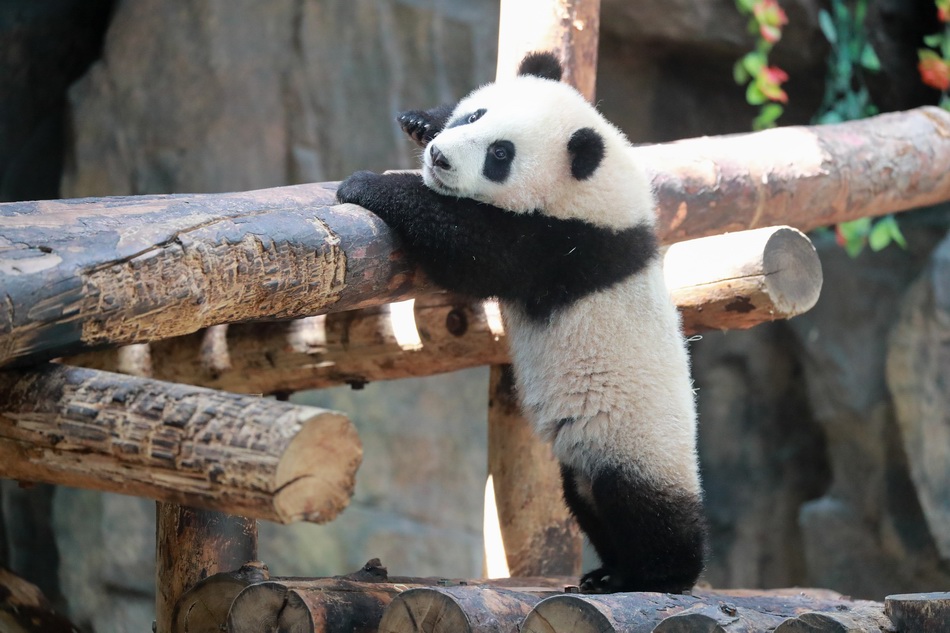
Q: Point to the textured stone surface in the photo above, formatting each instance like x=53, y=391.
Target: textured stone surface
x=918, y=365
x=866, y=536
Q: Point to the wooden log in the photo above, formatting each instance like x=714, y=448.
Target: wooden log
x=731, y=281
x=82, y=273
x=238, y=454
x=192, y=544
x=458, y=610
x=614, y=613
x=859, y=619
x=919, y=612
x=707, y=611
x=569, y=28
x=823, y=174
x=78, y=274
x=204, y=607
x=24, y=608
x=327, y=350
x=540, y=536
x=737, y=280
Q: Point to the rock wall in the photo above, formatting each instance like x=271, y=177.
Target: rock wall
x=810, y=478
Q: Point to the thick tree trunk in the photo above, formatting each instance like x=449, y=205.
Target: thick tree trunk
x=81, y=273
x=238, y=454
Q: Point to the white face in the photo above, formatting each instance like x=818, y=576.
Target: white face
x=515, y=145
x=506, y=144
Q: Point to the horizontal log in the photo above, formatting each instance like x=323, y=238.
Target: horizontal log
x=197, y=447
x=109, y=271
x=714, y=611
x=802, y=176
x=77, y=274
x=729, y=281
x=459, y=610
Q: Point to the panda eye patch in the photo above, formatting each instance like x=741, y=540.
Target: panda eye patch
x=498, y=161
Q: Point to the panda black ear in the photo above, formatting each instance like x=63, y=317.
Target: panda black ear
x=543, y=64
x=586, y=148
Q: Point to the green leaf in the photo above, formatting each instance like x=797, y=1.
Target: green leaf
x=869, y=59
x=827, y=27
x=739, y=73
x=745, y=6
x=753, y=62
x=880, y=236
x=855, y=228
x=895, y=231
x=933, y=41
x=854, y=247
x=767, y=116
x=860, y=11
x=754, y=96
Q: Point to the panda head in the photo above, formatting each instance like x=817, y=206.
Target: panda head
x=534, y=144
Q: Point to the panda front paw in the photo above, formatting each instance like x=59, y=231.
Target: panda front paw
x=419, y=125
x=596, y=581
x=359, y=188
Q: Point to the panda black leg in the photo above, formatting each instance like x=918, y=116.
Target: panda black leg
x=648, y=539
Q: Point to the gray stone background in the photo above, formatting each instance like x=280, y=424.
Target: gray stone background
x=824, y=440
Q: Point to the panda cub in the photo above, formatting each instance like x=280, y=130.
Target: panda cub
x=529, y=195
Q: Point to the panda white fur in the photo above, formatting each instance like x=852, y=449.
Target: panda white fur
x=528, y=194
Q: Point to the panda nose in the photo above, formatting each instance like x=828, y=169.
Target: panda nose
x=438, y=158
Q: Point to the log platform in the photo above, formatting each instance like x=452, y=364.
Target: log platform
x=369, y=601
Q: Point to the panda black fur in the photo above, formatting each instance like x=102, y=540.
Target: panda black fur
x=528, y=194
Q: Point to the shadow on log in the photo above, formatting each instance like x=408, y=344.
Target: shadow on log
x=237, y=454
x=78, y=274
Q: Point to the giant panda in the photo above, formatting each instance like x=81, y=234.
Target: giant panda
x=529, y=195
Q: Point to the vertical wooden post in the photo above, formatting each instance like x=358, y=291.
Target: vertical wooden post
x=540, y=536
x=191, y=545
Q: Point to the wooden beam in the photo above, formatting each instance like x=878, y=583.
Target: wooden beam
x=721, y=282
x=192, y=544
x=242, y=455
x=77, y=274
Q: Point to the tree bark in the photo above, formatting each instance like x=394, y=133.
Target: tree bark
x=238, y=454
x=78, y=274
x=191, y=545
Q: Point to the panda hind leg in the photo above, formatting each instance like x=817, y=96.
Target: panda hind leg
x=648, y=539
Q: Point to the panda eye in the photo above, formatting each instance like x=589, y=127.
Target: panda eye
x=500, y=153
x=475, y=116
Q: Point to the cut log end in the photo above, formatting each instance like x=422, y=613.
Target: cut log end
x=921, y=612
x=327, y=443
x=566, y=613
x=792, y=270
x=461, y=609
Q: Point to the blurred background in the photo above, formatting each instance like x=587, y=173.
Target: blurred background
x=806, y=462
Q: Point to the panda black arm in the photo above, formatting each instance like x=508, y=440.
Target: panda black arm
x=424, y=125
x=477, y=249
